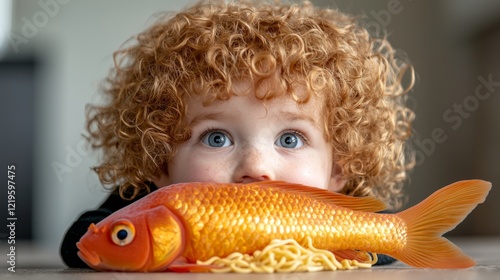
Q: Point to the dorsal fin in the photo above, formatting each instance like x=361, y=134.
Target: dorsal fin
x=365, y=204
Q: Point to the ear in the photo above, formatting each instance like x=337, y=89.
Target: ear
x=168, y=238
x=337, y=180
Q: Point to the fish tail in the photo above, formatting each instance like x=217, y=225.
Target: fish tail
x=427, y=221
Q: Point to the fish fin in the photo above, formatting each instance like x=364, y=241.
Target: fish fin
x=359, y=256
x=168, y=238
x=365, y=204
x=181, y=265
x=434, y=216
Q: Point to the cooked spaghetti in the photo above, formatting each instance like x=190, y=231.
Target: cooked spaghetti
x=285, y=256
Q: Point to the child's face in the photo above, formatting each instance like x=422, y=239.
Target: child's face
x=243, y=140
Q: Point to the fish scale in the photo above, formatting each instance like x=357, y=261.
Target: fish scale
x=233, y=218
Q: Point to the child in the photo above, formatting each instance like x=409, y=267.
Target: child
x=244, y=92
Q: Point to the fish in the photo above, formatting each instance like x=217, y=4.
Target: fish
x=177, y=225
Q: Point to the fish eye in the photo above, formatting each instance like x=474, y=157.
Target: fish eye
x=123, y=233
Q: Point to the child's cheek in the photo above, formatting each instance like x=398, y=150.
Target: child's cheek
x=308, y=171
x=305, y=176
x=206, y=171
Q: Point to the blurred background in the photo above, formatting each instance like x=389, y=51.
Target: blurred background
x=55, y=53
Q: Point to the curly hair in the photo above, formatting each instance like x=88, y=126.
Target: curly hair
x=210, y=45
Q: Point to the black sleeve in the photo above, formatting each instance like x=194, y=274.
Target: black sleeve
x=384, y=259
x=68, y=248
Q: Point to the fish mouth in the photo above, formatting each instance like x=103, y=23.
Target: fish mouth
x=89, y=257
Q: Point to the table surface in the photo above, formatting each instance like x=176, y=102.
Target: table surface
x=34, y=262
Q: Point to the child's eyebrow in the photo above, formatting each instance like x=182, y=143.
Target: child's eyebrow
x=293, y=116
x=204, y=116
x=314, y=120
x=288, y=115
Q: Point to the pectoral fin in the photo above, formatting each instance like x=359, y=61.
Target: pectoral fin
x=360, y=256
x=167, y=237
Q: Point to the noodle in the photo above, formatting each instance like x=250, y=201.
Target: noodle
x=285, y=256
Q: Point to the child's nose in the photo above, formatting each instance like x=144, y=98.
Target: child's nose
x=253, y=165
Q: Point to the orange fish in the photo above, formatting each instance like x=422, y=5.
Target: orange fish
x=195, y=221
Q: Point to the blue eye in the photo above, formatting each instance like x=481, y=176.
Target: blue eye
x=216, y=139
x=290, y=140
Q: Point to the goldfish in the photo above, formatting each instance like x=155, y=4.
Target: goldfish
x=177, y=225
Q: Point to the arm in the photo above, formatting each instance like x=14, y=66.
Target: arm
x=384, y=259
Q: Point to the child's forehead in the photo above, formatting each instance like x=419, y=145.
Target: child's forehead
x=248, y=101
x=264, y=89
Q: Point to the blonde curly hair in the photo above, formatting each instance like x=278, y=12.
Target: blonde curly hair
x=210, y=45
